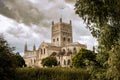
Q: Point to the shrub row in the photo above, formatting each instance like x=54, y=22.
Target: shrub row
x=51, y=74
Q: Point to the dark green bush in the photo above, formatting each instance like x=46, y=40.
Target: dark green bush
x=49, y=61
x=51, y=74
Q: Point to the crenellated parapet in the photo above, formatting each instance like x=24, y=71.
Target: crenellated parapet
x=61, y=33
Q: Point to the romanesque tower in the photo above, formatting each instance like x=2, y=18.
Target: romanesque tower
x=61, y=33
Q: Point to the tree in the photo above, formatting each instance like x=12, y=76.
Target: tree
x=83, y=58
x=49, y=61
x=100, y=17
x=6, y=62
x=19, y=61
x=113, y=71
x=102, y=58
x=103, y=20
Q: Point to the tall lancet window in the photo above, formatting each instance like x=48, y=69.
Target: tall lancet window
x=44, y=50
x=41, y=51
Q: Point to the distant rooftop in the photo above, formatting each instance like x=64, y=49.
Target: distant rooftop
x=74, y=43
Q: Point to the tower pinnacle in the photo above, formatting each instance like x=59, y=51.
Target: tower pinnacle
x=34, y=47
x=60, y=20
x=25, y=47
x=52, y=22
x=70, y=22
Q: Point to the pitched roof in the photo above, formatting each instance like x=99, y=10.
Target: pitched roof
x=47, y=44
x=30, y=56
x=75, y=44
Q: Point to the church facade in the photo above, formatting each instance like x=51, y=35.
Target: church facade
x=62, y=47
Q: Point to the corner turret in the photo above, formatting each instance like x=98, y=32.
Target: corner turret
x=52, y=22
x=60, y=20
x=25, y=47
x=70, y=22
x=34, y=47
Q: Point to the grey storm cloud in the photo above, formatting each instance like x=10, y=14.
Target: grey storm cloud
x=25, y=32
x=5, y=10
x=18, y=32
x=22, y=11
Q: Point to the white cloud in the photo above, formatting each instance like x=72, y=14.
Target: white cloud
x=89, y=41
x=5, y=23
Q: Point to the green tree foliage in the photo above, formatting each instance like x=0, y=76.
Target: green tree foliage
x=103, y=20
x=6, y=61
x=113, y=71
x=18, y=60
x=102, y=58
x=83, y=58
x=49, y=61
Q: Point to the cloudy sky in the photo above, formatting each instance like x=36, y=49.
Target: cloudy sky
x=29, y=21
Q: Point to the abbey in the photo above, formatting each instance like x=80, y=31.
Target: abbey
x=62, y=47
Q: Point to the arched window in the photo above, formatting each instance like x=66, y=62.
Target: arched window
x=68, y=62
x=44, y=50
x=64, y=62
x=57, y=39
x=34, y=60
x=74, y=50
x=53, y=40
x=64, y=39
x=41, y=51
x=68, y=39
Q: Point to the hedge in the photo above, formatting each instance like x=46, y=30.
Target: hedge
x=51, y=74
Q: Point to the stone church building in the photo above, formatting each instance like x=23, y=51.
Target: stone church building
x=62, y=47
